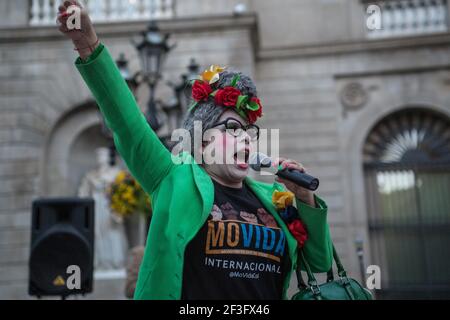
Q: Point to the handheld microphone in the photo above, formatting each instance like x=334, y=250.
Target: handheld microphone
x=260, y=160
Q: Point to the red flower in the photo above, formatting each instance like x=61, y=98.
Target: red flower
x=254, y=115
x=201, y=90
x=227, y=96
x=298, y=230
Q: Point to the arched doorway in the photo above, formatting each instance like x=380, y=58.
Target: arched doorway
x=407, y=180
x=69, y=151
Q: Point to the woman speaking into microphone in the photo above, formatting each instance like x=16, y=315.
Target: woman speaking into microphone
x=215, y=232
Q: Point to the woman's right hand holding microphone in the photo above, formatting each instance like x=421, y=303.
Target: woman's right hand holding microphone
x=84, y=38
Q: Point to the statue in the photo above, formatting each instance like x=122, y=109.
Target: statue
x=110, y=240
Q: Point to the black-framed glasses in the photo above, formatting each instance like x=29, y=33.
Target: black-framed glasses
x=237, y=129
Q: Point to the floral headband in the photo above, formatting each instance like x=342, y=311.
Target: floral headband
x=230, y=96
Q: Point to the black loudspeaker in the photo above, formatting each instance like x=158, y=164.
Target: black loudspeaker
x=62, y=247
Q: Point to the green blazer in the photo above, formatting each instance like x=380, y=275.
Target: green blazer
x=182, y=194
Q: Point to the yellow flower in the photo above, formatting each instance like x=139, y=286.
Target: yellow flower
x=120, y=176
x=282, y=199
x=126, y=195
x=211, y=74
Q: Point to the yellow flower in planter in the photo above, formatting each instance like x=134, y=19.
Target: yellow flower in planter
x=282, y=199
x=126, y=196
x=120, y=176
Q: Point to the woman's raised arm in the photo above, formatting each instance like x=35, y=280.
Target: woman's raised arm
x=146, y=157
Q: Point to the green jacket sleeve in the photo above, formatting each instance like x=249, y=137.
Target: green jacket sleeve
x=144, y=154
x=318, y=248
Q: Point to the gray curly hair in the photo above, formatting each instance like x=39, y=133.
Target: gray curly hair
x=207, y=111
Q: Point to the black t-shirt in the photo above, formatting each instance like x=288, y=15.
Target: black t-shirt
x=239, y=253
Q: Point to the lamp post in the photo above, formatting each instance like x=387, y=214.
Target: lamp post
x=153, y=48
x=131, y=80
x=185, y=93
x=177, y=105
x=182, y=89
x=359, y=244
x=193, y=69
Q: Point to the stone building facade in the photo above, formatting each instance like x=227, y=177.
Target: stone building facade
x=325, y=79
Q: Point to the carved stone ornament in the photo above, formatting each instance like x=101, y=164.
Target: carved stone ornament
x=353, y=96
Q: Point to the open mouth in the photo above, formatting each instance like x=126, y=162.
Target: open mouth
x=241, y=158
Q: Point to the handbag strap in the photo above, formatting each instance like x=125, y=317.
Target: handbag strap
x=312, y=282
x=341, y=271
x=301, y=285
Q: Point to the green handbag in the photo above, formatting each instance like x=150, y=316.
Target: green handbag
x=343, y=289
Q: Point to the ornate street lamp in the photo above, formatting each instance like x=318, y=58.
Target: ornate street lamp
x=182, y=89
x=131, y=80
x=193, y=69
x=153, y=48
x=178, y=104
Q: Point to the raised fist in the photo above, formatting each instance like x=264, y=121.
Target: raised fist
x=74, y=22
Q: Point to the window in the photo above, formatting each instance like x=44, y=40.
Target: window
x=407, y=179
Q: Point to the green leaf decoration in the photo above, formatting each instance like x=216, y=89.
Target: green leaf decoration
x=241, y=101
x=193, y=105
x=252, y=105
x=213, y=94
x=241, y=113
x=235, y=80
